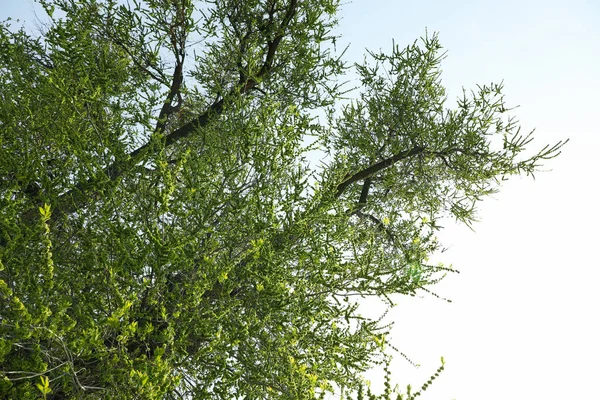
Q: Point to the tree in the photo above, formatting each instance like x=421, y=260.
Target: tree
x=163, y=231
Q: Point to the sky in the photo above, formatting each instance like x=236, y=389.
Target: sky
x=523, y=322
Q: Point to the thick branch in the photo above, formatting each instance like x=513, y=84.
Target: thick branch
x=178, y=43
x=373, y=169
x=364, y=194
x=272, y=46
x=73, y=199
x=167, y=108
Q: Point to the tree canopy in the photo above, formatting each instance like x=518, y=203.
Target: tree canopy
x=192, y=206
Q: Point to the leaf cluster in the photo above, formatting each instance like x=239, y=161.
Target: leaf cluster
x=163, y=232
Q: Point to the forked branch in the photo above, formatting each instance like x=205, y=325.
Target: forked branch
x=373, y=169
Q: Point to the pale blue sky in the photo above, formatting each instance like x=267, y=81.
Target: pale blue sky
x=523, y=322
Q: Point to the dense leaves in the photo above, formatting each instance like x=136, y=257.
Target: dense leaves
x=163, y=230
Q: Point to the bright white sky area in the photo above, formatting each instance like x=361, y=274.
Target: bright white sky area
x=524, y=321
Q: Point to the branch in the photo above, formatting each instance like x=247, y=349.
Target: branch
x=272, y=46
x=379, y=223
x=178, y=44
x=71, y=200
x=364, y=194
x=167, y=108
x=362, y=202
x=159, y=78
x=373, y=169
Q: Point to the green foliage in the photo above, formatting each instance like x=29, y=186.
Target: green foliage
x=364, y=391
x=163, y=234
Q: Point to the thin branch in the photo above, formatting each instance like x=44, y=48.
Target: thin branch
x=379, y=223
x=159, y=78
x=373, y=169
